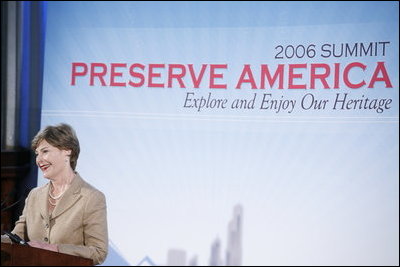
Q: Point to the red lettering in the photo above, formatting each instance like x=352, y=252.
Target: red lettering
x=214, y=76
x=197, y=81
x=346, y=75
x=246, y=72
x=178, y=76
x=99, y=74
x=116, y=74
x=293, y=76
x=385, y=77
x=322, y=76
x=271, y=80
x=336, y=78
x=75, y=72
x=155, y=75
x=135, y=74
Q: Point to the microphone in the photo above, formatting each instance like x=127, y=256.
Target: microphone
x=7, y=197
x=15, y=203
x=16, y=239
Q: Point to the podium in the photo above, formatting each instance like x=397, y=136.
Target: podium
x=20, y=255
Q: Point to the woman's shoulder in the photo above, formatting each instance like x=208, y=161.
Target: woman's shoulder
x=88, y=189
x=39, y=189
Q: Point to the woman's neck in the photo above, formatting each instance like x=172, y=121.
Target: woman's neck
x=63, y=180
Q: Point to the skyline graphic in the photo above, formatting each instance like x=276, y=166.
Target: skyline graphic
x=215, y=257
x=178, y=257
x=235, y=233
x=233, y=253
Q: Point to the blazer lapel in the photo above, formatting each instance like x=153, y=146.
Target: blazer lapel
x=42, y=201
x=69, y=198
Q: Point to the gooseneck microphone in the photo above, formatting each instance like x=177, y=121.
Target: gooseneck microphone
x=16, y=239
x=4, y=207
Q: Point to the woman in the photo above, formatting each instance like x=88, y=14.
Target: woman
x=67, y=214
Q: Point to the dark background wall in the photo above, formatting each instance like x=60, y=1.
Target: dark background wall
x=22, y=53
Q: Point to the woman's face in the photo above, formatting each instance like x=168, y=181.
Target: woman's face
x=51, y=160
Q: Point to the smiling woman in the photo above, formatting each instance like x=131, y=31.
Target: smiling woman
x=67, y=214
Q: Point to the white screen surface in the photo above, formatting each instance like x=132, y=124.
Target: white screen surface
x=317, y=181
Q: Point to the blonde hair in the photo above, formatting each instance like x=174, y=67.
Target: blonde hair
x=61, y=136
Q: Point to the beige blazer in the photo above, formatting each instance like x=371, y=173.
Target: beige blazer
x=78, y=224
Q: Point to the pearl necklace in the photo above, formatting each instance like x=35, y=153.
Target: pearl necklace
x=52, y=203
x=53, y=199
